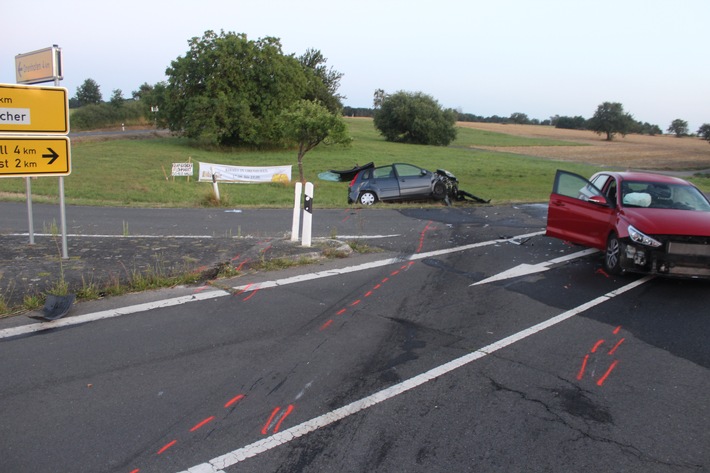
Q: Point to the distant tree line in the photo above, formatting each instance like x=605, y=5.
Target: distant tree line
x=90, y=112
x=255, y=93
x=565, y=122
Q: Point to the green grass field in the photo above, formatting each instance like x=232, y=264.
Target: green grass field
x=136, y=172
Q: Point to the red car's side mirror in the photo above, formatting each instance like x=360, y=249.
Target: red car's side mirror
x=597, y=199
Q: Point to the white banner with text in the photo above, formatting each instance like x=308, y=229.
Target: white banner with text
x=243, y=174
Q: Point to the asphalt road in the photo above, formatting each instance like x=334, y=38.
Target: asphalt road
x=408, y=360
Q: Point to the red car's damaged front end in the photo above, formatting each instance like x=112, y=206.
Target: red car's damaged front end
x=645, y=223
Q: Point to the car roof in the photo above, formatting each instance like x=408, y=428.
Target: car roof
x=645, y=177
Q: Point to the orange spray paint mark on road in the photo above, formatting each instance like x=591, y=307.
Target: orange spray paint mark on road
x=245, y=289
x=354, y=303
x=166, y=447
x=265, y=429
x=239, y=268
x=616, y=330
x=341, y=311
x=597, y=345
x=253, y=293
x=286, y=413
x=580, y=375
x=608, y=372
x=202, y=424
x=326, y=325
x=611, y=352
x=421, y=237
x=234, y=400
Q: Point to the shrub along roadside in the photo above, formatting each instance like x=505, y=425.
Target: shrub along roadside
x=91, y=117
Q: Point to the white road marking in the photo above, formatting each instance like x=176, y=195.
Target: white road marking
x=107, y=314
x=525, y=269
x=216, y=465
x=201, y=237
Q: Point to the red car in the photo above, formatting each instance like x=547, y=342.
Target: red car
x=645, y=223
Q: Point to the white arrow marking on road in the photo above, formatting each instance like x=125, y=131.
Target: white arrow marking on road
x=525, y=269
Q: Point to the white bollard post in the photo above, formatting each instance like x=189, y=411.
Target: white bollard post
x=215, y=187
x=307, y=215
x=296, y=212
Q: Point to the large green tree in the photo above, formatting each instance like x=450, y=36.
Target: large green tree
x=308, y=124
x=228, y=90
x=88, y=93
x=610, y=119
x=704, y=131
x=679, y=127
x=322, y=81
x=415, y=118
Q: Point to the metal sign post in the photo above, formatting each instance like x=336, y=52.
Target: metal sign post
x=29, y=110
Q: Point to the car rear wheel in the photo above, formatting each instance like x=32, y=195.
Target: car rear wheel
x=367, y=198
x=612, y=257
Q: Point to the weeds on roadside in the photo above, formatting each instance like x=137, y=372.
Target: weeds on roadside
x=359, y=247
x=161, y=276
x=210, y=200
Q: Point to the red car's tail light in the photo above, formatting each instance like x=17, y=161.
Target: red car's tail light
x=353, y=181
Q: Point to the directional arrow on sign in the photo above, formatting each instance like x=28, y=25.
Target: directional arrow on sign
x=36, y=156
x=52, y=157
x=525, y=269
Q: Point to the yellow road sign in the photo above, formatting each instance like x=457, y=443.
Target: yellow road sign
x=43, y=65
x=32, y=109
x=31, y=157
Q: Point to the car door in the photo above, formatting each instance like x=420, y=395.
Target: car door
x=385, y=183
x=414, y=182
x=578, y=211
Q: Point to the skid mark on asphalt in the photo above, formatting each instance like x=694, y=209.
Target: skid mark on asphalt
x=278, y=414
x=218, y=464
x=195, y=428
x=378, y=285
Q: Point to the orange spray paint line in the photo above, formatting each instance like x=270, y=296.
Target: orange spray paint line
x=286, y=413
x=234, y=400
x=611, y=352
x=326, y=325
x=265, y=429
x=253, y=293
x=167, y=446
x=202, y=424
x=584, y=367
x=608, y=372
x=597, y=345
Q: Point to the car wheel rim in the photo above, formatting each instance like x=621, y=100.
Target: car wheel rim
x=612, y=253
x=367, y=199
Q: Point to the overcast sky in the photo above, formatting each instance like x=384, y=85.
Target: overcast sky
x=494, y=57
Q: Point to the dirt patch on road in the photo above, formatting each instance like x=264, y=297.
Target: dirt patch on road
x=665, y=152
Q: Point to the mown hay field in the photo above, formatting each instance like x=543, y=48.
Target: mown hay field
x=635, y=152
